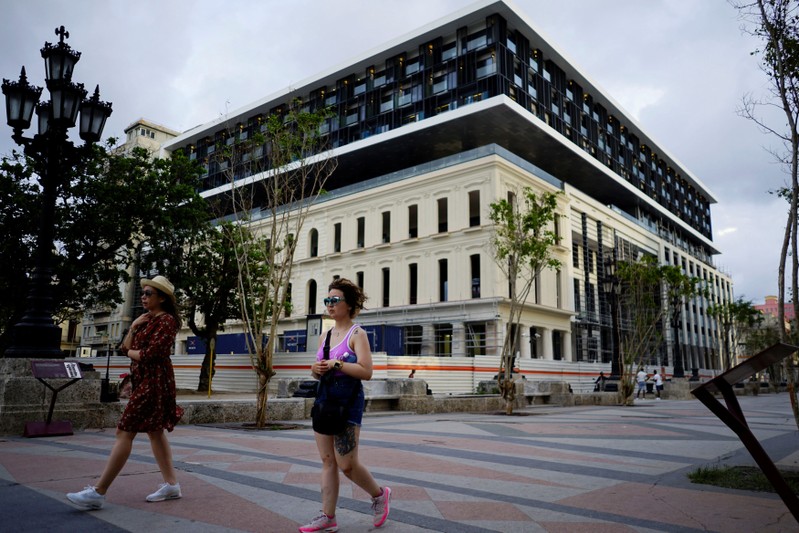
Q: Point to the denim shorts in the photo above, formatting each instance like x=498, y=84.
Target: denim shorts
x=343, y=389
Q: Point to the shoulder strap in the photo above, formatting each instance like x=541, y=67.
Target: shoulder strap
x=326, y=349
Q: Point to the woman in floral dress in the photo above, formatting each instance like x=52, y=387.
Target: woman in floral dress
x=152, y=407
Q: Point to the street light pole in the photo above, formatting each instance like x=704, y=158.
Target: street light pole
x=612, y=287
x=53, y=157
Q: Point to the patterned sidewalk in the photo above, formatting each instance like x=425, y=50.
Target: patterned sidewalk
x=597, y=469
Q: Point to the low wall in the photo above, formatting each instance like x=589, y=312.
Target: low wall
x=24, y=399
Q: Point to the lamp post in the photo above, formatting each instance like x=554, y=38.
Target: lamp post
x=612, y=287
x=54, y=157
x=679, y=367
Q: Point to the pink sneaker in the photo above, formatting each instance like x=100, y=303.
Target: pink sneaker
x=320, y=523
x=381, y=506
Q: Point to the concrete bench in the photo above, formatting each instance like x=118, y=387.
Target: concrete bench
x=381, y=402
x=391, y=395
x=537, y=398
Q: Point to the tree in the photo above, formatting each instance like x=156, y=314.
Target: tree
x=102, y=215
x=522, y=244
x=642, y=309
x=737, y=319
x=293, y=157
x=776, y=23
x=202, y=265
x=18, y=206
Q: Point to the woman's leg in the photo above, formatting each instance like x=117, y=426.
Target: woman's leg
x=347, y=458
x=330, y=480
x=119, y=456
x=163, y=455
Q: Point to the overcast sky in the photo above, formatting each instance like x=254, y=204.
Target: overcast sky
x=680, y=67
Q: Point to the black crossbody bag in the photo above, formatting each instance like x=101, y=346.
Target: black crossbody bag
x=330, y=415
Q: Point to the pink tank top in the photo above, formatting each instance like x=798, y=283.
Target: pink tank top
x=340, y=351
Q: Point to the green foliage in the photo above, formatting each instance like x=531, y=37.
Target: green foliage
x=202, y=265
x=741, y=477
x=648, y=293
x=19, y=207
x=640, y=300
x=737, y=319
x=108, y=207
x=524, y=237
x=296, y=166
x=522, y=242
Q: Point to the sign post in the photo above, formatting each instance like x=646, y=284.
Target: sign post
x=46, y=369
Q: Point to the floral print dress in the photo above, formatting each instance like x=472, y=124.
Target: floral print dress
x=152, y=405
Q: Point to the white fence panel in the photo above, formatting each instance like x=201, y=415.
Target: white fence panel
x=444, y=375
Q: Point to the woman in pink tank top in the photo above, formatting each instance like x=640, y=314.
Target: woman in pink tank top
x=351, y=362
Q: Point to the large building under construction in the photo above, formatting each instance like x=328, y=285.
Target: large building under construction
x=432, y=128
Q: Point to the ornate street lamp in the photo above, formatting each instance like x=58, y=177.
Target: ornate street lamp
x=53, y=155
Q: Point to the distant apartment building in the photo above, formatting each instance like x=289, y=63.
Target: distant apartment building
x=771, y=308
x=431, y=129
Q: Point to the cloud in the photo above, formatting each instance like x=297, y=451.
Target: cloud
x=636, y=98
x=680, y=67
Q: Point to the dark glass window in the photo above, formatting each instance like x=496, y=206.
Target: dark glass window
x=413, y=221
x=474, y=208
x=413, y=283
x=386, y=226
x=442, y=215
x=312, y=297
x=361, y=231
x=386, y=286
x=475, y=264
x=313, y=243
x=442, y=280
x=337, y=237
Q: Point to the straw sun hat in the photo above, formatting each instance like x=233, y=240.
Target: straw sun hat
x=163, y=285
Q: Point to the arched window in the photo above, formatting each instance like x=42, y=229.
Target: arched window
x=313, y=240
x=311, y=307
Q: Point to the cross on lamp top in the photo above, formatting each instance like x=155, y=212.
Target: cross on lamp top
x=62, y=34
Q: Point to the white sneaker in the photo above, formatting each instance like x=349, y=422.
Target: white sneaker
x=165, y=492
x=88, y=498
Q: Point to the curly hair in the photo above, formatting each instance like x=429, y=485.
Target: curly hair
x=353, y=294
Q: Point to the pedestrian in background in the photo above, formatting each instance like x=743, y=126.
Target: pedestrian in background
x=658, y=379
x=152, y=407
x=641, y=377
x=599, y=383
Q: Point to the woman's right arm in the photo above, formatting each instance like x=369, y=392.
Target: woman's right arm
x=127, y=342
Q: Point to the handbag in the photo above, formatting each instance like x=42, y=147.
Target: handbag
x=329, y=415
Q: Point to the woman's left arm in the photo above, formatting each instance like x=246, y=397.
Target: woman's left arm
x=362, y=368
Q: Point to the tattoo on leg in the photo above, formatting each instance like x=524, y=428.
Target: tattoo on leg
x=345, y=441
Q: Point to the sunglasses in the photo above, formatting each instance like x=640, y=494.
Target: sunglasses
x=333, y=301
x=148, y=293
